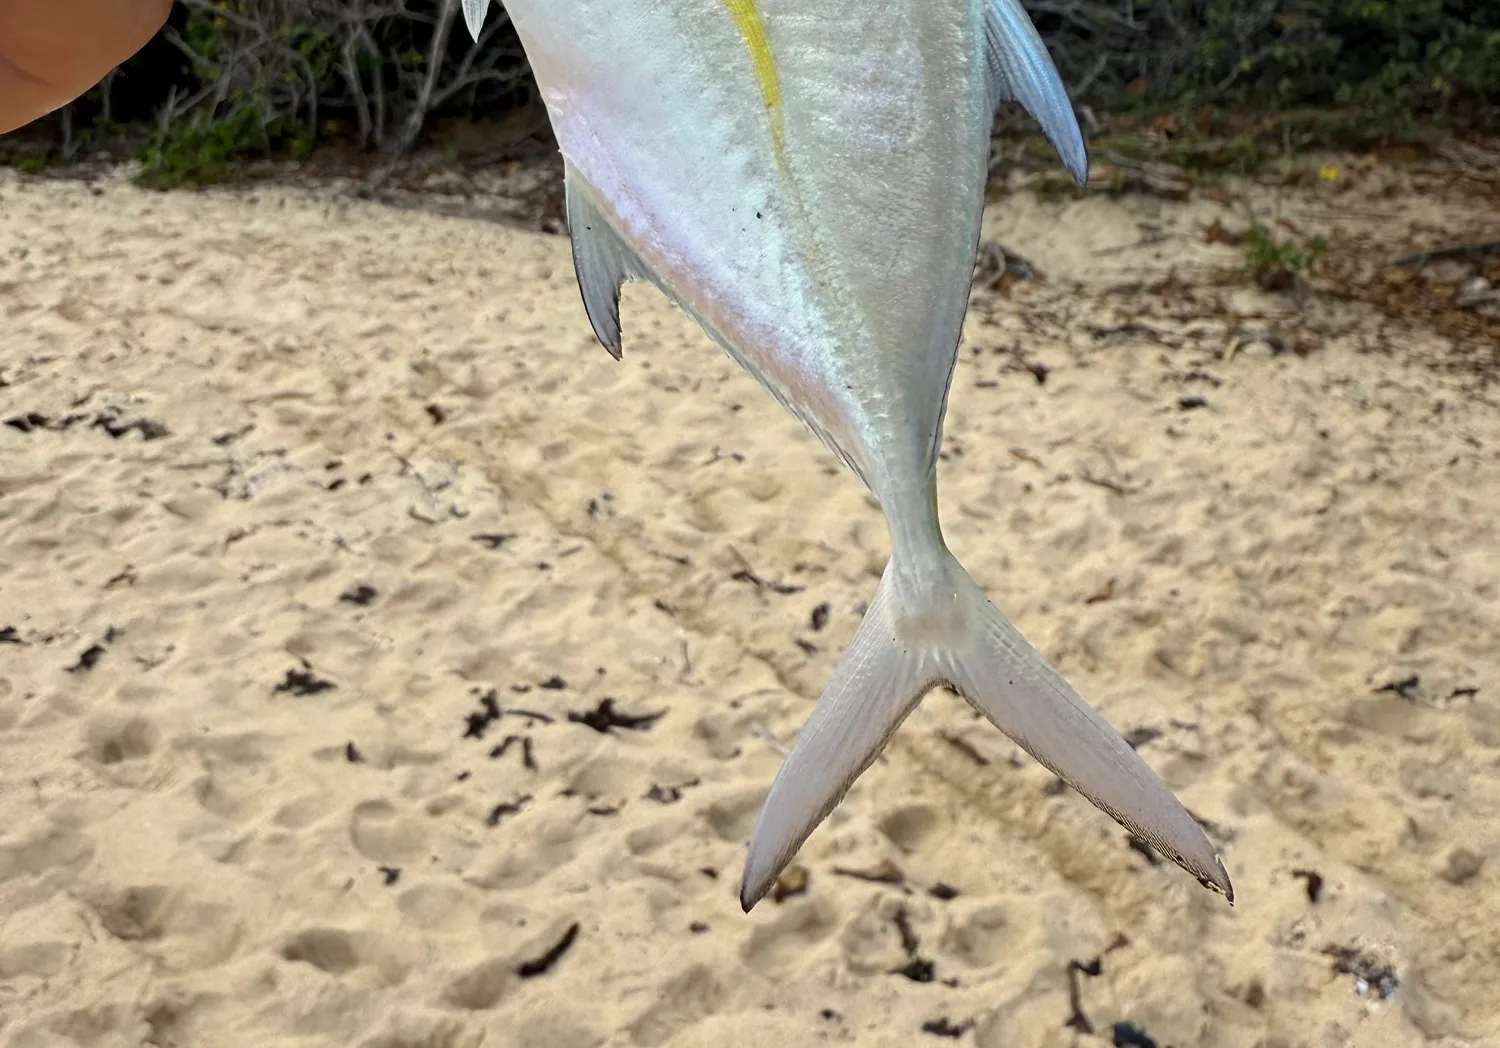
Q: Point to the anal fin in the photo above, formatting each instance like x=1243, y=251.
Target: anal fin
x=602, y=260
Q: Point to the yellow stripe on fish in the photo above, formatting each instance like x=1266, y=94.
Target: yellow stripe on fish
x=752, y=27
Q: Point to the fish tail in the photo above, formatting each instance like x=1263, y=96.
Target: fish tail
x=936, y=627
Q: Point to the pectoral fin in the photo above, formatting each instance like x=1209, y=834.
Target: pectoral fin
x=1021, y=70
x=474, y=12
x=602, y=260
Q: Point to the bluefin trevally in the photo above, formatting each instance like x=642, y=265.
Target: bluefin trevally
x=807, y=181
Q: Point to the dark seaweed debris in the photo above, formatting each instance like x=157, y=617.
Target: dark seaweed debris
x=1129, y=1035
x=91, y=655
x=88, y=659
x=476, y=724
x=669, y=794
x=967, y=748
x=604, y=719
x=543, y=964
x=490, y=710
x=784, y=588
x=945, y=1027
x=885, y=872
x=111, y=420
x=1314, y=881
x=1077, y=1020
x=1406, y=688
x=362, y=595
x=389, y=874
x=516, y=711
x=301, y=683
x=528, y=758
x=917, y=968
x=9, y=635
x=1370, y=974
x=500, y=811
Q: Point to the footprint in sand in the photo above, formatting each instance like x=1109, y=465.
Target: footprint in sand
x=177, y=1016
x=115, y=740
x=801, y=925
x=482, y=986
x=382, y=834
x=66, y=851
x=686, y=998
x=548, y=846
x=422, y=1032
x=733, y=815
x=443, y=909
x=336, y=951
x=301, y=812
x=39, y=960
x=326, y=949
x=179, y=932
x=643, y=840
x=226, y=794
x=606, y=776
x=911, y=827
x=549, y=1025
x=138, y=914
x=886, y=935
x=986, y=935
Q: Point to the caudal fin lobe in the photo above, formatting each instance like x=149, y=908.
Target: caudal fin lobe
x=899, y=654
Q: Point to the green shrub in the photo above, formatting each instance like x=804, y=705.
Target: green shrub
x=1276, y=265
x=229, y=79
x=1394, y=63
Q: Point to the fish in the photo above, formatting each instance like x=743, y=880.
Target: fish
x=807, y=182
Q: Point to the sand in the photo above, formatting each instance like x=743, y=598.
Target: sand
x=297, y=493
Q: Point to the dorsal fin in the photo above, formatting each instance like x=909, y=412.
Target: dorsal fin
x=1020, y=69
x=602, y=260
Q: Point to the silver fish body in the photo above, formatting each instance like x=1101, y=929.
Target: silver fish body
x=807, y=181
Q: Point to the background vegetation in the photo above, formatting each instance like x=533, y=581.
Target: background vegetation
x=229, y=80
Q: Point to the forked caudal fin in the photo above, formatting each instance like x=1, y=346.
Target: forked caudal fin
x=901, y=652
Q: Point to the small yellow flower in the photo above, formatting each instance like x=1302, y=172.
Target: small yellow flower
x=1329, y=174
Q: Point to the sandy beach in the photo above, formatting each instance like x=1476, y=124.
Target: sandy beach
x=382, y=664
